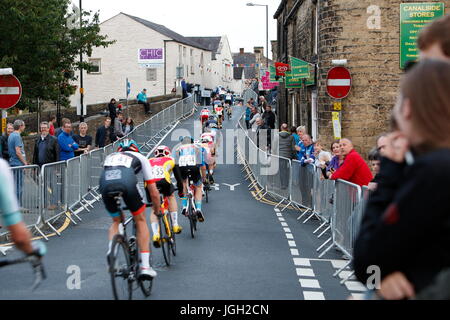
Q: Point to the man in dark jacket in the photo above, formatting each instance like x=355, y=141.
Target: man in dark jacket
x=105, y=134
x=46, y=148
x=269, y=117
x=4, y=141
x=112, y=109
x=262, y=131
x=286, y=149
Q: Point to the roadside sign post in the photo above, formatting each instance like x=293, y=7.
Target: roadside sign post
x=10, y=93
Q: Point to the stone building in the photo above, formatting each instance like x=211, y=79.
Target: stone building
x=367, y=34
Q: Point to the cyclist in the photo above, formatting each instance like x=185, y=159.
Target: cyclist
x=206, y=141
x=191, y=160
x=204, y=115
x=219, y=111
x=120, y=174
x=163, y=165
x=12, y=218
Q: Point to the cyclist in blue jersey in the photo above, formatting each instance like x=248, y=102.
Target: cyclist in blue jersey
x=191, y=159
x=11, y=216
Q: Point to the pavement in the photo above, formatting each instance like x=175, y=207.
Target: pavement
x=245, y=250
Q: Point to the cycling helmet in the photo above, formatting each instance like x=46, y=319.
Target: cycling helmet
x=206, y=139
x=211, y=117
x=187, y=140
x=213, y=125
x=128, y=145
x=162, y=151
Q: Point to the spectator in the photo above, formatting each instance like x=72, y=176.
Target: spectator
x=337, y=159
x=118, y=131
x=374, y=160
x=112, y=109
x=286, y=149
x=434, y=38
x=52, y=125
x=184, y=88
x=306, y=154
x=142, y=99
x=60, y=130
x=269, y=117
x=105, y=134
x=381, y=142
x=248, y=114
x=46, y=148
x=128, y=126
x=295, y=135
x=262, y=103
x=254, y=116
x=17, y=156
x=83, y=140
x=323, y=157
x=67, y=145
x=407, y=237
x=300, y=132
x=262, y=131
x=354, y=169
x=4, y=141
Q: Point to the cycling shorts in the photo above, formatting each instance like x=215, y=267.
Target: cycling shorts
x=165, y=188
x=121, y=179
x=193, y=173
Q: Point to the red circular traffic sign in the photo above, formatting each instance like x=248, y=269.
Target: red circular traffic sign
x=339, y=82
x=10, y=91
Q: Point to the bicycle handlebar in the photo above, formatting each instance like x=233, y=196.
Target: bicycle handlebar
x=36, y=263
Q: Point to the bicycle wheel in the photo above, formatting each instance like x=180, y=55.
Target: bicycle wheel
x=191, y=216
x=120, y=268
x=165, y=246
x=206, y=187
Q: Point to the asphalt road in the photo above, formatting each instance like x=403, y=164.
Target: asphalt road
x=244, y=250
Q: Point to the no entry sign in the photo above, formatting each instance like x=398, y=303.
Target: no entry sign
x=339, y=82
x=10, y=91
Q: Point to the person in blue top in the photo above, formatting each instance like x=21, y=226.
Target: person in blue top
x=67, y=145
x=142, y=99
x=306, y=154
x=248, y=114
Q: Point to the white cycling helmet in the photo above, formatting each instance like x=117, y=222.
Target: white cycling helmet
x=206, y=139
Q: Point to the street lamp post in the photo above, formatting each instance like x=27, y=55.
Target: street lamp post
x=81, y=71
x=267, y=28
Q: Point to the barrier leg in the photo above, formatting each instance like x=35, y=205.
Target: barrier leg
x=310, y=216
x=260, y=191
x=75, y=214
x=326, y=250
x=51, y=227
x=320, y=227
x=301, y=216
x=323, y=232
x=324, y=244
x=285, y=207
x=348, y=277
x=263, y=195
x=279, y=203
x=41, y=233
x=343, y=268
x=70, y=218
x=252, y=185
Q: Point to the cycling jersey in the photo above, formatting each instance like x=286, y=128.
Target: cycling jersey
x=204, y=113
x=208, y=147
x=219, y=110
x=162, y=168
x=209, y=134
x=132, y=160
x=9, y=207
x=190, y=155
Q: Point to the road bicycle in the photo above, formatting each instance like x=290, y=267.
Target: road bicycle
x=229, y=112
x=167, y=241
x=36, y=262
x=123, y=259
x=191, y=211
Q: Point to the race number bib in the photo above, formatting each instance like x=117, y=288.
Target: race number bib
x=118, y=160
x=158, y=172
x=188, y=160
x=113, y=175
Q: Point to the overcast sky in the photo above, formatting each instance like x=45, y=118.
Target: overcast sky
x=245, y=26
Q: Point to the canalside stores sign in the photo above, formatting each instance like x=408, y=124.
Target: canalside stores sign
x=413, y=17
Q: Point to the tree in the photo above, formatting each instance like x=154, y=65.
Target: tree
x=38, y=43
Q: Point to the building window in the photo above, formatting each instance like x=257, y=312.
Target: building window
x=152, y=74
x=184, y=52
x=95, y=66
x=192, y=61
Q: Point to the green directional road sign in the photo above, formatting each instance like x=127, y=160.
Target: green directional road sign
x=273, y=73
x=413, y=17
x=299, y=70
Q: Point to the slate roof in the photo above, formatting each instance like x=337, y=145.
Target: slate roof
x=245, y=58
x=212, y=43
x=168, y=33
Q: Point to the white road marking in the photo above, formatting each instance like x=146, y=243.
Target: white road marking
x=292, y=243
x=305, y=272
x=289, y=236
x=302, y=262
x=294, y=252
x=313, y=295
x=279, y=214
x=232, y=186
x=309, y=283
x=284, y=224
x=345, y=274
x=287, y=230
x=355, y=286
x=281, y=219
x=358, y=296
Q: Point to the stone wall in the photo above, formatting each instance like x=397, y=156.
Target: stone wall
x=135, y=111
x=373, y=61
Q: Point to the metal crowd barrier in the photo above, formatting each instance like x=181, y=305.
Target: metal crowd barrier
x=68, y=187
x=339, y=205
